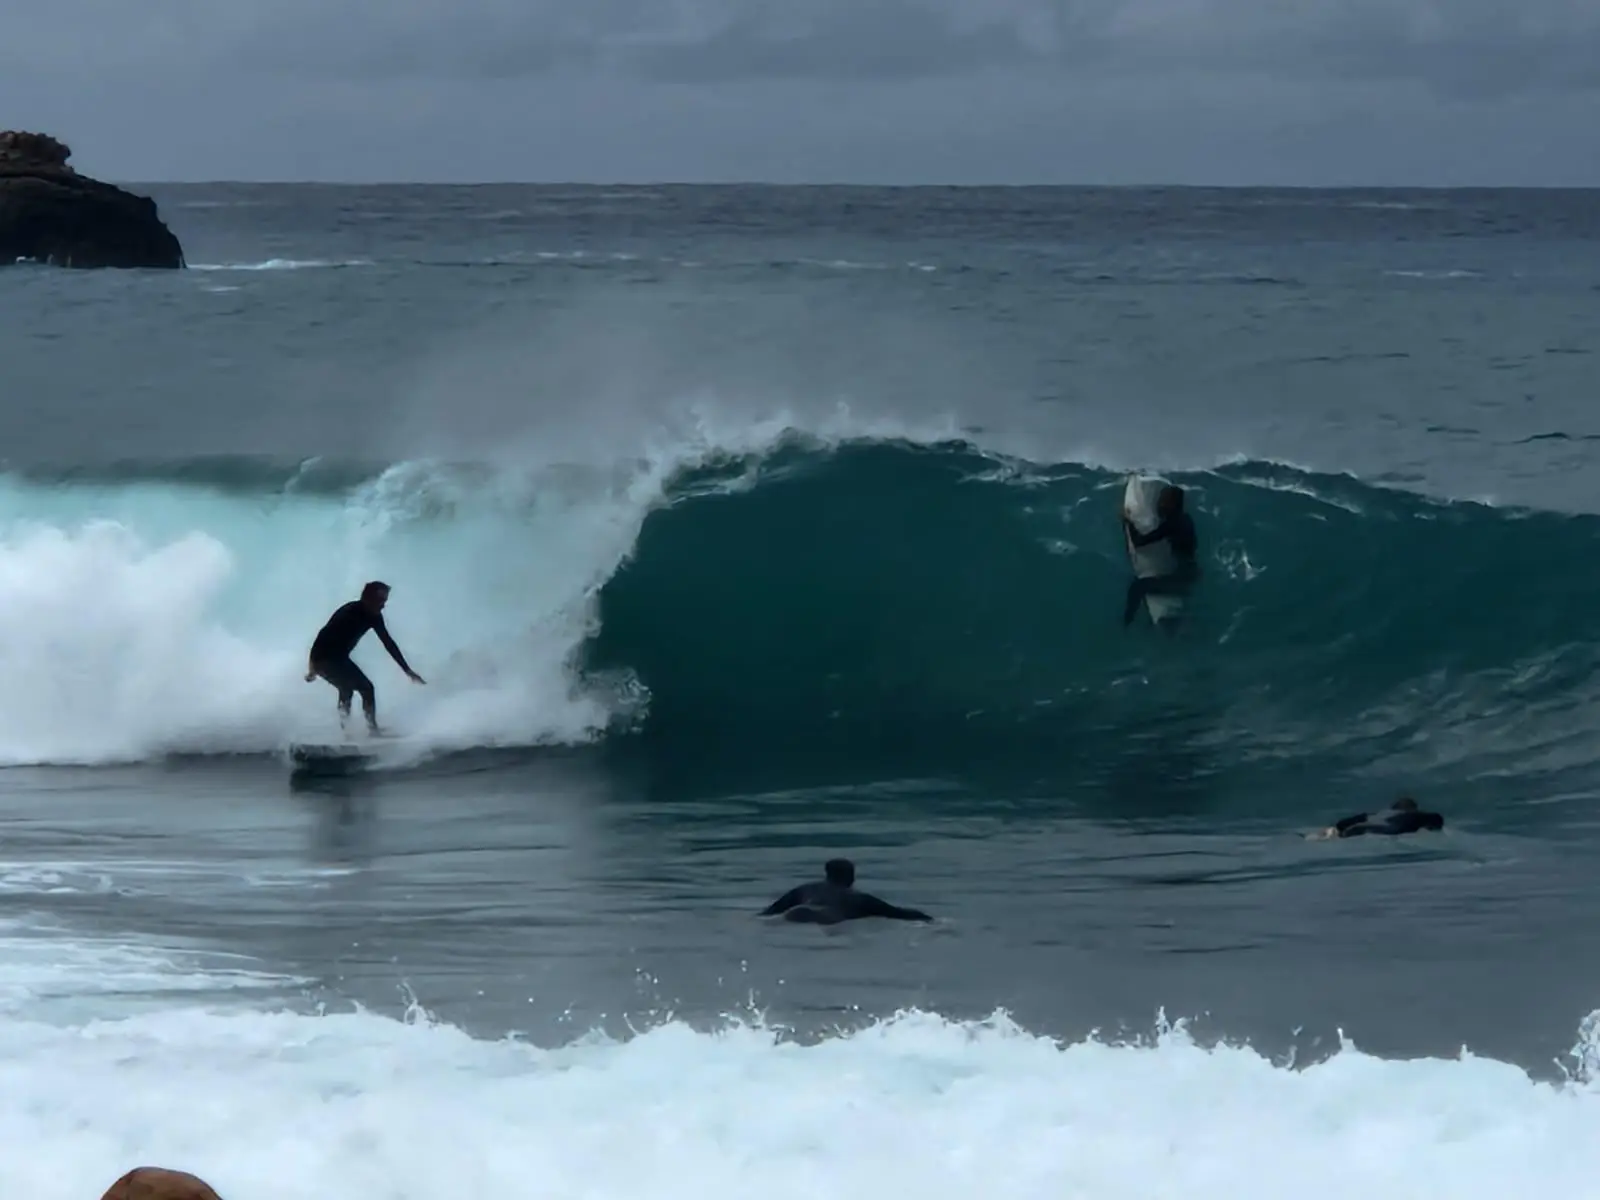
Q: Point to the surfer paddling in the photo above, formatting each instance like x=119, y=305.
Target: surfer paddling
x=1177, y=527
x=834, y=898
x=1402, y=818
x=330, y=652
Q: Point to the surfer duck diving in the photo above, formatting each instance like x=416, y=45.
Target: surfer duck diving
x=330, y=652
x=1162, y=591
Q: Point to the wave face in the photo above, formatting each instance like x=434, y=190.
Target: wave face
x=922, y=593
x=865, y=594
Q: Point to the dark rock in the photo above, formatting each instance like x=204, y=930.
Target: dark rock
x=51, y=214
x=158, y=1183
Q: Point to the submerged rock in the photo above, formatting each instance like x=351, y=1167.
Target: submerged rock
x=51, y=214
x=158, y=1183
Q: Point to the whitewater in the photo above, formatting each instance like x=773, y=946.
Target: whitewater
x=734, y=530
x=211, y=577
x=272, y=1105
x=198, y=641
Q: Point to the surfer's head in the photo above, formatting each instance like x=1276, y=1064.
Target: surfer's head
x=1405, y=804
x=1170, y=502
x=840, y=871
x=375, y=595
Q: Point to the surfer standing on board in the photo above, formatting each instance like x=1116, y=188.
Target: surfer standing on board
x=1177, y=527
x=330, y=652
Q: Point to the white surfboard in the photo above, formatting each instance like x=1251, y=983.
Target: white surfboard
x=1139, y=501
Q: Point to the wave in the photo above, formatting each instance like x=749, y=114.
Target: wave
x=118, y=1052
x=886, y=591
x=283, y=264
x=121, y=1051
x=167, y=616
x=353, y=1103
x=790, y=593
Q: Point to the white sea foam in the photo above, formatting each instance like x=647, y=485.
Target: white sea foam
x=281, y=264
x=141, y=619
x=273, y=1106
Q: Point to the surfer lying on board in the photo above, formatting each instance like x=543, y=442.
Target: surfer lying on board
x=1178, y=528
x=330, y=652
x=834, y=898
x=1403, y=817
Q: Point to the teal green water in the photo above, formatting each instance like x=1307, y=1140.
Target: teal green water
x=734, y=529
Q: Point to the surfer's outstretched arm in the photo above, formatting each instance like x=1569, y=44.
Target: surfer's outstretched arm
x=382, y=630
x=872, y=906
x=1349, y=826
x=784, y=902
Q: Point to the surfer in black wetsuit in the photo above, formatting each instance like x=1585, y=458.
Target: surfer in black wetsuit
x=330, y=652
x=1178, y=528
x=834, y=898
x=1403, y=817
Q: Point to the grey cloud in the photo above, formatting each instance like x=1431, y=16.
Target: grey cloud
x=847, y=40
x=1471, y=48
x=691, y=41
x=1474, y=61
x=1456, y=48
x=1029, y=128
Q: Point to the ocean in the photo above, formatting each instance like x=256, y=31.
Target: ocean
x=735, y=529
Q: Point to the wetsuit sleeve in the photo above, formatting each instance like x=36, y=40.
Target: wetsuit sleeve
x=872, y=906
x=382, y=630
x=1350, y=822
x=1400, y=823
x=784, y=902
x=1155, y=535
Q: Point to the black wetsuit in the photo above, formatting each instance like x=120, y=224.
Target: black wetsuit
x=1393, y=823
x=1180, y=533
x=827, y=903
x=330, y=653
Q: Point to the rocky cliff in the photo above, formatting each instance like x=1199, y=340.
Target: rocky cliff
x=51, y=214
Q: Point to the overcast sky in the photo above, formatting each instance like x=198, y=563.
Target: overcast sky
x=892, y=91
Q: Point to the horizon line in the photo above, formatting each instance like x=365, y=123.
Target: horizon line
x=840, y=185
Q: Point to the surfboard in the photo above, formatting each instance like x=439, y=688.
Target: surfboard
x=1139, y=501
x=318, y=751
x=345, y=755
x=330, y=757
